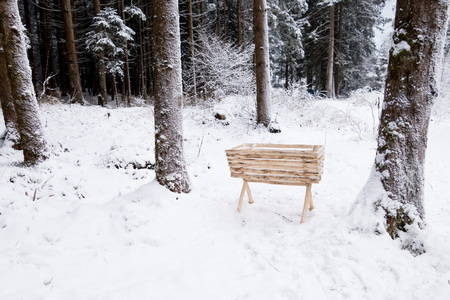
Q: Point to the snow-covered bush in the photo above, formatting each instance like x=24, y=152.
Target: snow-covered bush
x=221, y=69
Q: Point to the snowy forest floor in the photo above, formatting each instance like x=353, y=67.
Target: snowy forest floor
x=86, y=225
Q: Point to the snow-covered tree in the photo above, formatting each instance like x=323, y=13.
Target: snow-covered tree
x=14, y=52
x=285, y=19
x=110, y=36
x=395, y=188
x=222, y=69
x=170, y=166
x=353, y=45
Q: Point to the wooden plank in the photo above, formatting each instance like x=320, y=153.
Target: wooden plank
x=279, y=165
x=272, y=153
x=283, y=183
x=265, y=178
x=272, y=159
x=246, y=170
x=274, y=146
x=308, y=168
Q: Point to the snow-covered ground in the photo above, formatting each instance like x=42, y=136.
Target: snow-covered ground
x=87, y=225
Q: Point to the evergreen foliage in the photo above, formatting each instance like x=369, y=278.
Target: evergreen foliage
x=110, y=35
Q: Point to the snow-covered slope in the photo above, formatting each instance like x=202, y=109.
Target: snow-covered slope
x=87, y=225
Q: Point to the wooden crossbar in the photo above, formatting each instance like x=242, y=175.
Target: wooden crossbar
x=300, y=165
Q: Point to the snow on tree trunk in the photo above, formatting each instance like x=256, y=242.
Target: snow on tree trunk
x=396, y=185
x=330, y=75
x=262, y=68
x=170, y=164
x=12, y=43
x=72, y=56
x=12, y=136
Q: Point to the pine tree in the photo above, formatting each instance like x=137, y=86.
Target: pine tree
x=285, y=37
x=170, y=164
x=109, y=38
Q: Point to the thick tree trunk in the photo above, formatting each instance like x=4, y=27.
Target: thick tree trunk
x=72, y=55
x=170, y=164
x=330, y=90
x=262, y=67
x=12, y=136
x=409, y=95
x=12, y=41
x=101, y=66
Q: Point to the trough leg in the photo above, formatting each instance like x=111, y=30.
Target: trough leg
x=244, y=188
x=308, y=203
x=249, y=193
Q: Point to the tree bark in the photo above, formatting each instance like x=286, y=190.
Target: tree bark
x=72, y=56
x=170, y=164
x=27, y=12
x=9, y=113
x=12, y=41
x=409, y=95
x=262, y=64
x=101, y=66
x=330, y=90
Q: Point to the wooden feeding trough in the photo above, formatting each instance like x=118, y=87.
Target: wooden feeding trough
x=277, y=164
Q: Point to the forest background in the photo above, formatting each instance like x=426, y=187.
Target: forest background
x=217, y=47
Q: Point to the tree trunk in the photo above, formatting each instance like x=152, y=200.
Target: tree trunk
x=72, y=56
x=12, y=41
x=337, y=78
x=47, y=45
x=101, y=66
x=27, y=12
x=12, y=136
x=239, y=23
x=126, y=80
x=170, y=164
x=218, y=20
x=409, y=95
x=192, y=48
x=330, y=90
x=225, y=20
x=262, y=67
x=143, y=79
